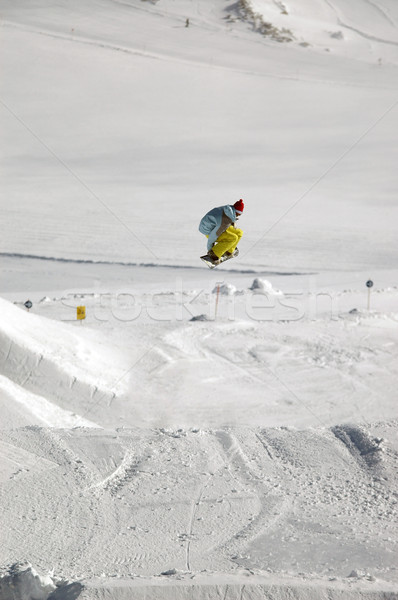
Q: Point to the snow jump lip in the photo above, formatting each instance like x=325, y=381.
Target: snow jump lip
x=207, y=585
x=88, y=261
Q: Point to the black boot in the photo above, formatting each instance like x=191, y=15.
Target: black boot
x=213, y=257
x=234, y=253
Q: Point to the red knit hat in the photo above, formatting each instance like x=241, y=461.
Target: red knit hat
x=239, y=206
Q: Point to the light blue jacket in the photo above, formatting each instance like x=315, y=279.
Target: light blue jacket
x=216, y=221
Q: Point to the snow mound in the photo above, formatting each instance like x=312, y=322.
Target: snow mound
x=226, y=289
x=200, y=318
x=46, y=412
x=360, y=444
x=44, y=361
x=21, y=581
x=264, y=286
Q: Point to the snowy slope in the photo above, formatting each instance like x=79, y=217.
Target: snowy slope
x=56, y=363
x=302, y=357
x=137, y=125
x=359, y=29
x=131, y=504
x=250, y=452
x=245, y=506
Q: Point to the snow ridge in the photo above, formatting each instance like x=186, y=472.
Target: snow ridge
x=45, y=363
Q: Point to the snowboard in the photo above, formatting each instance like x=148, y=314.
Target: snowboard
x=206, y=259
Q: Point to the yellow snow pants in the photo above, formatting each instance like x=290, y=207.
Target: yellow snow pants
x=227, y=241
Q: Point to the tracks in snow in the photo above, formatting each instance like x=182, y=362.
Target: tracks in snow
x=359, y=31
x=126, y=495
x=254, y=475
x=194, y=511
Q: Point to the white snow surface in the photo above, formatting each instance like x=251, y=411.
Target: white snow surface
x=136, y=125
x=55, y=361
x=265, y=286
x=251, y=453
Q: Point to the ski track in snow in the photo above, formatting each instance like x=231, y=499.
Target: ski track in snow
x=363, y=34
x=271, y=507
x=255, y=484
x=382, y=11
x=194, y=511
x=172, y=266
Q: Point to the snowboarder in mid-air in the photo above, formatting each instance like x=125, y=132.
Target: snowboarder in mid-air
x=219, y=226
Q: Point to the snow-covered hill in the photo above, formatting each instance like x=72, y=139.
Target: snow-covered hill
x=42, y=362
x=156, y=356
x=202, y=434
x=214, y=485
x=120, y=120
x=359, y=29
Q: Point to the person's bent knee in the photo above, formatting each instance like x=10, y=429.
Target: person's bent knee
x=239, y=232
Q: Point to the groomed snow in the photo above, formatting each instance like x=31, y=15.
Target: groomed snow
x=179, y=442
x=136, y=126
